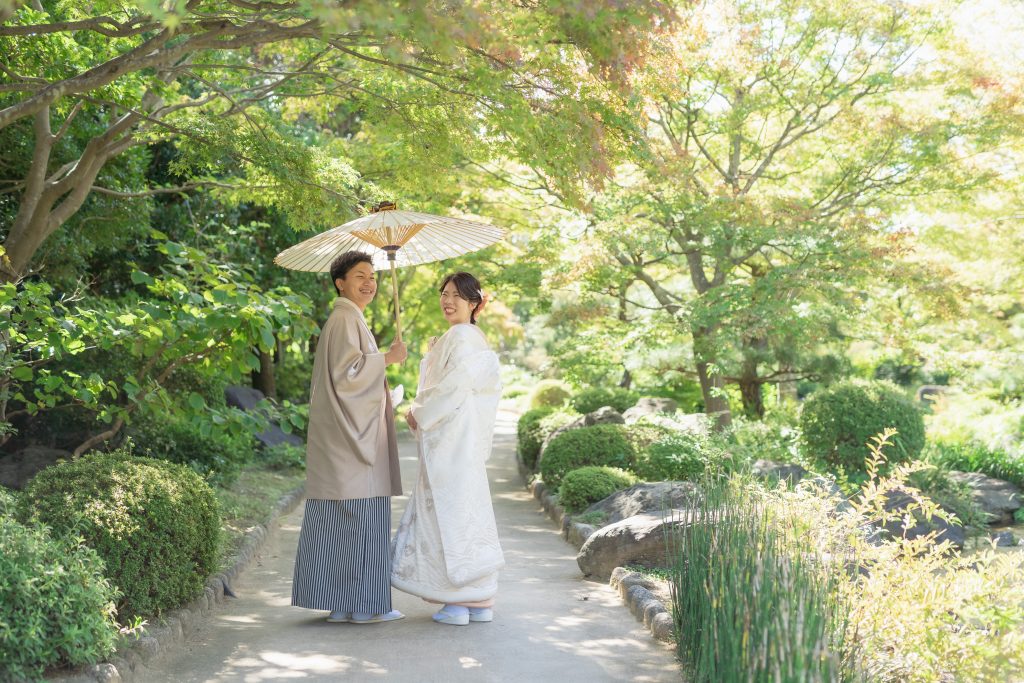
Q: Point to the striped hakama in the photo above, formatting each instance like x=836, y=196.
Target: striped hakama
x=343, y=562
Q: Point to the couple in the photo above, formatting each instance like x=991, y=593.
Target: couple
x=446, y=550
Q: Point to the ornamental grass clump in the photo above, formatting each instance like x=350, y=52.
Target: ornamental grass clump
x=585, y=486
x=56, y=606
x=751, y=602
x=155, y=524
x=866, y=608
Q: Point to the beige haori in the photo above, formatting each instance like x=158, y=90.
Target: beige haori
x=351, y=446
x=446, y=547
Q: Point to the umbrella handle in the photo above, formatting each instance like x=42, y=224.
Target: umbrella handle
x=394, y=291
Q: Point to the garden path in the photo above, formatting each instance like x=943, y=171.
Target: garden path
x=550, y=624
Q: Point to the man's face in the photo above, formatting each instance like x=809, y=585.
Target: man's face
x=359, y=285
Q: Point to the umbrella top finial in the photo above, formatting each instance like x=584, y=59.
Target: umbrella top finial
x=384, y=206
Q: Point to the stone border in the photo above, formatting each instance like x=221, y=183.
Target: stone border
x=174, y=626
x=633, y=587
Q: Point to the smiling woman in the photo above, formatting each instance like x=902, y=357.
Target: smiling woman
x=461, y=298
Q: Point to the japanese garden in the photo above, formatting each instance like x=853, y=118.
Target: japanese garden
x=753, y=270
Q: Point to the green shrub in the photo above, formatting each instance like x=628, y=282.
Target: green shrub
x=283, y=456
x=680, y=456
x=529, y=437
x=645, y=432
x=589, y=400
x=751, y=440
x=56, y=606
x=972, y=456
x=218, y=454
x=935, y=483
x=549, y=392
x=8, y=502
x=155, y=524
x=598, y=445
x=585, y=486
x=837, y=423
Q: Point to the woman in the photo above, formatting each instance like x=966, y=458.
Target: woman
x=446, y=548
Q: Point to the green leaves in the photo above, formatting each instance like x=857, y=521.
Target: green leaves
x=197, y=310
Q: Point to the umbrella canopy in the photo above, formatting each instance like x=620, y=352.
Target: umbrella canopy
x=411, y=236
x=398, y=238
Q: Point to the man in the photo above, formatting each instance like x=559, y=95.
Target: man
x=343, y=562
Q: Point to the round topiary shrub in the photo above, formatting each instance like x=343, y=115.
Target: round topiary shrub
x=529, y=436
x=56, y=605
x=679, y=456
x=155, y=524
x=837, y=423
x=549, y=392
x=589, y=400
x=584, y=486
x=604, y=444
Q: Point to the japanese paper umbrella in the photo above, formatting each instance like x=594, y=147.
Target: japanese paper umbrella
x=398, y=238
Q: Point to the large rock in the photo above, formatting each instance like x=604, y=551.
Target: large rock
x=769, y=469
x=18, y=468
x=247, y=398
x=244, y=398
x=898, y=501
x=646, y=407
x=636, y=540
x=649, y=497
x=997, y=498
x=603, y=416
x=930, y=393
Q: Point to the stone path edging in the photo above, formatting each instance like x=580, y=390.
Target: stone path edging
x=633, y=587
x=174, y=626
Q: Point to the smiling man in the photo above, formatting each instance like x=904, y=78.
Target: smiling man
x=343, y=563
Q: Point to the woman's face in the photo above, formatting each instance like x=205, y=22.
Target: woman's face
x=456, y=309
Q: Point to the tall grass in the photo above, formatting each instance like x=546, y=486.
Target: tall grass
x=751, y=600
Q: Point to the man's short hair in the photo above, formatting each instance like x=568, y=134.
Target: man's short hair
x=346, y=262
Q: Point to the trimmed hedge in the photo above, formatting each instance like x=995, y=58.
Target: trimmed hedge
x=56, y=606
x=155, y=524
x=837, y=423
x=589, y=400
x=604, y=444
x=528, y=435
x=584, y=486
x=549, y=392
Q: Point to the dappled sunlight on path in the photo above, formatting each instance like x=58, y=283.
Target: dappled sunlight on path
x=549, y=624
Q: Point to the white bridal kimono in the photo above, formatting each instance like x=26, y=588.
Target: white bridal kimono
x=446, y=548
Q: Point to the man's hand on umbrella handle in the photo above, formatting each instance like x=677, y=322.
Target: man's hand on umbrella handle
x=396, y=354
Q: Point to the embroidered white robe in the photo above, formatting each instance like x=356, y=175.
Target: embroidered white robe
x=446, y=547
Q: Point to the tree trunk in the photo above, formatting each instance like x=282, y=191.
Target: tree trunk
x=627, y=379
x=263, y=379
x=716, y=405
x=750, y=390
x=753, y=397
